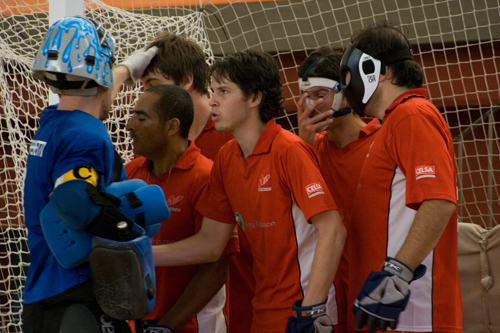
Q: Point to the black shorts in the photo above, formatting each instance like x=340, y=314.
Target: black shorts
x=45, y=315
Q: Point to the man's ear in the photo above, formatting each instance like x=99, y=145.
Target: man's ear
x=102, y=89
x=256, y=99
x=386, y=76
x=172, y=126
x=187, y=82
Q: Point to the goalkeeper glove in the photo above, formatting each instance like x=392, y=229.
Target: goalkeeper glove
x=309, y=319
x=137, y=63
x=384, y=295
x=150, y=326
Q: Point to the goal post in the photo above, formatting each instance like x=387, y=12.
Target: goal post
x=457, y=43
x=57, y=10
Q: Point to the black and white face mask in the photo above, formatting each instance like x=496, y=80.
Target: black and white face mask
x=364, y=71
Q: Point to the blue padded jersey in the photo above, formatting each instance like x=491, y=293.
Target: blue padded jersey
x=64, y=140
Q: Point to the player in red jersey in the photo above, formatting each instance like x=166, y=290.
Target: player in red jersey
x=268, y=181
x=342, y=140
x=403, y=231
x=190, y=298
x=174, y=59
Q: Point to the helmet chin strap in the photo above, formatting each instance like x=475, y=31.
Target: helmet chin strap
x=341, y=112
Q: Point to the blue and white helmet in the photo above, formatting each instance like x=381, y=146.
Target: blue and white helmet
x=75, y=57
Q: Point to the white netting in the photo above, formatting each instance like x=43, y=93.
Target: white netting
x=456, y=42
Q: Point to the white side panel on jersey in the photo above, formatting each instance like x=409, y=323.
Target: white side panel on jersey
x=211, y=318
x=307, y=237
x=400, y=221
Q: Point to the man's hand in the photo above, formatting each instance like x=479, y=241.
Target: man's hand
x=311, y=123
x=137, y=63
x=384, y=295
x=309, y=319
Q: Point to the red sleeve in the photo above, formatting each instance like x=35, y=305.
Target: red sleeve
x=422, y=147
x=306, y=183
x=214, y=202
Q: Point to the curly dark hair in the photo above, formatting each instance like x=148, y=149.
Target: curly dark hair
x=383, y=39
x=253, y=71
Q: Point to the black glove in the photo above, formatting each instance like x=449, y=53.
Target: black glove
x=309, y=319
x=384, y=295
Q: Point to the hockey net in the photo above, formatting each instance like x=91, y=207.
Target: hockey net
x=456, y=42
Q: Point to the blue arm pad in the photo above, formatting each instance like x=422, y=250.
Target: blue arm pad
x=72, y=203
x=71, y=210
x=144, y=204
x=70, y=248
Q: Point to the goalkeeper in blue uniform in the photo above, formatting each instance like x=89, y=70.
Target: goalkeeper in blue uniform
x=76, y=198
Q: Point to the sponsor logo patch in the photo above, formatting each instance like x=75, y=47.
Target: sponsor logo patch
x=36, y=148
x=425, y=171
x=314, y=189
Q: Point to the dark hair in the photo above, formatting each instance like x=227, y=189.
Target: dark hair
x=177, y=57
x=327, y=67
x=383, y=39
x=253, y=71
x=174, y=102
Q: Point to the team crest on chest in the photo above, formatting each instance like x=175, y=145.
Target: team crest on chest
x=263, y=183
x=172, y=200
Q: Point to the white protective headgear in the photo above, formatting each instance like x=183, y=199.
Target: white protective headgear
x=307, y=82
x=75, y=57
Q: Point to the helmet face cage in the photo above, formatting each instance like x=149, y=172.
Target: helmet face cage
x=106, y=42
x=79, y=48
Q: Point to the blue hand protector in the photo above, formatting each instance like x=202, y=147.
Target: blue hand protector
x=144, y=203
x=309, y=319
x=123, y=277
x=70, y=248
x=384, y=295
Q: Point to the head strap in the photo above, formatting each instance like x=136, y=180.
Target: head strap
x=401, y=55
x=311, y=67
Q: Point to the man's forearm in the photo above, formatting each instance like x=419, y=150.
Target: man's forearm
x=120, y=75
x=200, y=290
x=329, y=248
x=204, y=247
x=429, y=223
